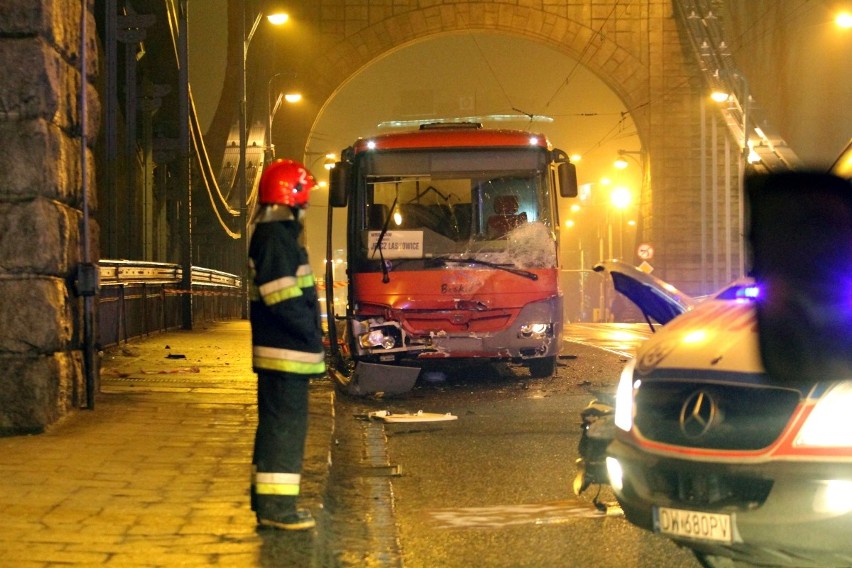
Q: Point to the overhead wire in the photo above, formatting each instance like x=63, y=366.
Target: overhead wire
x=573, y=71
x=491, y=69
x=580, y=59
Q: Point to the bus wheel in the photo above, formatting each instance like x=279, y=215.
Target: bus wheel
x=542, y=367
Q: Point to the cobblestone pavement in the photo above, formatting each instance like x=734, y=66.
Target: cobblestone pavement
x=157, y=474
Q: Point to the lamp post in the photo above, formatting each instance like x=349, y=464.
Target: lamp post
x=620, y=198
x=276, y=19
x=272, y=109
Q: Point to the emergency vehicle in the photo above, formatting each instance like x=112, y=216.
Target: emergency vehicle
x=452, y=252
x=731, y=432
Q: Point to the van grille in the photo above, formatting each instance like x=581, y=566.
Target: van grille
x=711, y=415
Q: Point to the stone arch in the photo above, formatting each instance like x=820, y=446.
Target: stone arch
x=635, y=49
x=614, y=64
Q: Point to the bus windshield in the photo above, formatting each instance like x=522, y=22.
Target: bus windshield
x=490, y=205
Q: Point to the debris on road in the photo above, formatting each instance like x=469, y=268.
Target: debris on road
x=419, y=416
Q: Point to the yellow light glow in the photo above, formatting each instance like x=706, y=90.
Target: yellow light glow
x=575, y=208
x=606, y=181
x=569, y=223
x=844, y=20
x=620, y=164
x=696, y=336
x=397, y=218
x=292, y=97
x=753, y=157
x=278, y=18
x=833, y=497
x=575, y=157
x=620, y=197
x=719, y=96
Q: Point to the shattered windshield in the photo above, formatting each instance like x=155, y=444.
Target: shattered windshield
x=493, y=206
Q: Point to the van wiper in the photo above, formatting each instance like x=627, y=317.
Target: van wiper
x=469, y=260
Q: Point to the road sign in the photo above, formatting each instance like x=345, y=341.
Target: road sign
x=645, y=251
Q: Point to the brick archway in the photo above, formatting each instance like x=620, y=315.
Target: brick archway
x=635, y=49
x=568, y=33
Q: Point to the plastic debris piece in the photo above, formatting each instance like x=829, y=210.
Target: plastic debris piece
x=419, y=416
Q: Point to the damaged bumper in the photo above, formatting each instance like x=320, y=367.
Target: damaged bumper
x=535, y=331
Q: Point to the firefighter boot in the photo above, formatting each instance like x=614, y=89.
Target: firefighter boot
x=280, y=512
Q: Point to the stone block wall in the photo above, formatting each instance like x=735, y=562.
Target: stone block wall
x=41, y=200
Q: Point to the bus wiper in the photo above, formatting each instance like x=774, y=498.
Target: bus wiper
x=469, y=260
x=378, y=247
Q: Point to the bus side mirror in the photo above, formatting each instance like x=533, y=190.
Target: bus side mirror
x=800, y=234
x=338, y=184
x=566, y=174
x=567, y=179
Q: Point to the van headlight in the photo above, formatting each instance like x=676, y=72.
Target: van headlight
x=830, y=422
x=615, y=473
x=624, y=397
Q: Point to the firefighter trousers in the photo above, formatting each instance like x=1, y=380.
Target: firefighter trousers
x=279, y=444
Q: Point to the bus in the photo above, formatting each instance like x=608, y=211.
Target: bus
x=451, y=252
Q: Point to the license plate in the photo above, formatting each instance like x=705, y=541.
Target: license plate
x=715, y=527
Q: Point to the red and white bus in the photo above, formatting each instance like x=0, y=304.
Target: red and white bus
x=452, y=252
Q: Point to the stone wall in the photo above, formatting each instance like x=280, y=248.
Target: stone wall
x=41, y=185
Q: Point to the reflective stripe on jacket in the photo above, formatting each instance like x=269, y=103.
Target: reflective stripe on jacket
x=285, y=315
x=288, y=361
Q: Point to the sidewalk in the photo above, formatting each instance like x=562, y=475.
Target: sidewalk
x=158, y=473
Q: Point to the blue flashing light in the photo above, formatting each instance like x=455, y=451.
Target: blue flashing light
x=749, y=292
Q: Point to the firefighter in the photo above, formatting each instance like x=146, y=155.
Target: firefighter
x=287, y=348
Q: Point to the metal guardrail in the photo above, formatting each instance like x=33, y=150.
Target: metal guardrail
x=139, y=298
x=123, y=272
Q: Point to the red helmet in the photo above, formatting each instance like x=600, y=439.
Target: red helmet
x=285, y=182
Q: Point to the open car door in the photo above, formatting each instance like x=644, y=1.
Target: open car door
x=659, y=301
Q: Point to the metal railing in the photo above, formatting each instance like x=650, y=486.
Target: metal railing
x=139, y=298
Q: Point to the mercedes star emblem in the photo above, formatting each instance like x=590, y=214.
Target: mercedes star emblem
x=698, y=414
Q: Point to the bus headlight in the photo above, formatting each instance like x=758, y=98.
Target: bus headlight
x=536, y=330
x=377, y=338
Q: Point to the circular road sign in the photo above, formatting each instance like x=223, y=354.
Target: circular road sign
x=645, y=251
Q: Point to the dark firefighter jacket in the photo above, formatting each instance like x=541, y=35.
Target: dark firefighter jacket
x=285, y=318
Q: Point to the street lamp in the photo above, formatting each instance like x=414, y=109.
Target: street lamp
x=275, y=18
x=271, y=109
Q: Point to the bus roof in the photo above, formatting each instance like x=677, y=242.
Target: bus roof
x=451, y=137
